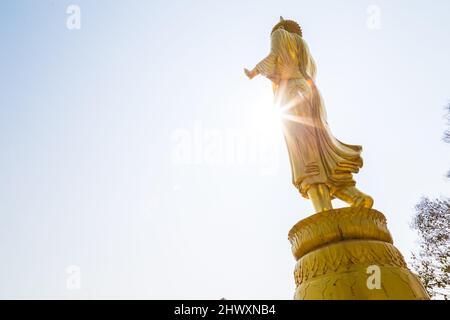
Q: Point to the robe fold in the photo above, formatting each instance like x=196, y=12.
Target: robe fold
x=316, y=156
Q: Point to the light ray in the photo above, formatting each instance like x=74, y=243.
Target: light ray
x=284, y=113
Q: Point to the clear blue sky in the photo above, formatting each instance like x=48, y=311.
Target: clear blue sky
x=90, y=127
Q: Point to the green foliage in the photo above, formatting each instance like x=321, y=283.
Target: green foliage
x=432, y=262
x=432, y=221
x=447, y=132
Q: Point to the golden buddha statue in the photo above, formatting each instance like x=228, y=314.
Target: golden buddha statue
x=322, y=166
x=345, y=253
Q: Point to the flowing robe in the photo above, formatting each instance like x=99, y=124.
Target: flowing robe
x=316, y=156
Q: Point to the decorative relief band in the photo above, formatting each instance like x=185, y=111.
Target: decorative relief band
x=345, y=256
x=337, y=225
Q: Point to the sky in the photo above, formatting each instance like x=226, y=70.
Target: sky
x=138, y=161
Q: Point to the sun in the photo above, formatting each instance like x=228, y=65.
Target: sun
x=265, y=116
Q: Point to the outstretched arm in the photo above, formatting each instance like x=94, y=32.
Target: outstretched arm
x=268, y=66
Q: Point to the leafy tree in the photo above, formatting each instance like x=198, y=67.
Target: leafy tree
x=447, y=132
x=432, y=261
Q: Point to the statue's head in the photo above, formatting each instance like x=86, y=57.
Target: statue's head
x=288, y=25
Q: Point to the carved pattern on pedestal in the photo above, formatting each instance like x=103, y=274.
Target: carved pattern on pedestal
x=338, y=225
x=345, y=256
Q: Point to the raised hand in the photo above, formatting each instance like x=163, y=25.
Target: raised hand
x=251, y=74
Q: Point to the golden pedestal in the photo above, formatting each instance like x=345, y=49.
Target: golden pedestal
x=348, y=254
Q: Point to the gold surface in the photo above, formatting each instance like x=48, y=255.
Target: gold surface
x=337, y=225
x=322, y=166
x=334, y=250
x=288, y=25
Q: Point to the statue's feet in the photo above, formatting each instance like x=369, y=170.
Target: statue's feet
x=354, y=197
x=362, y=201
